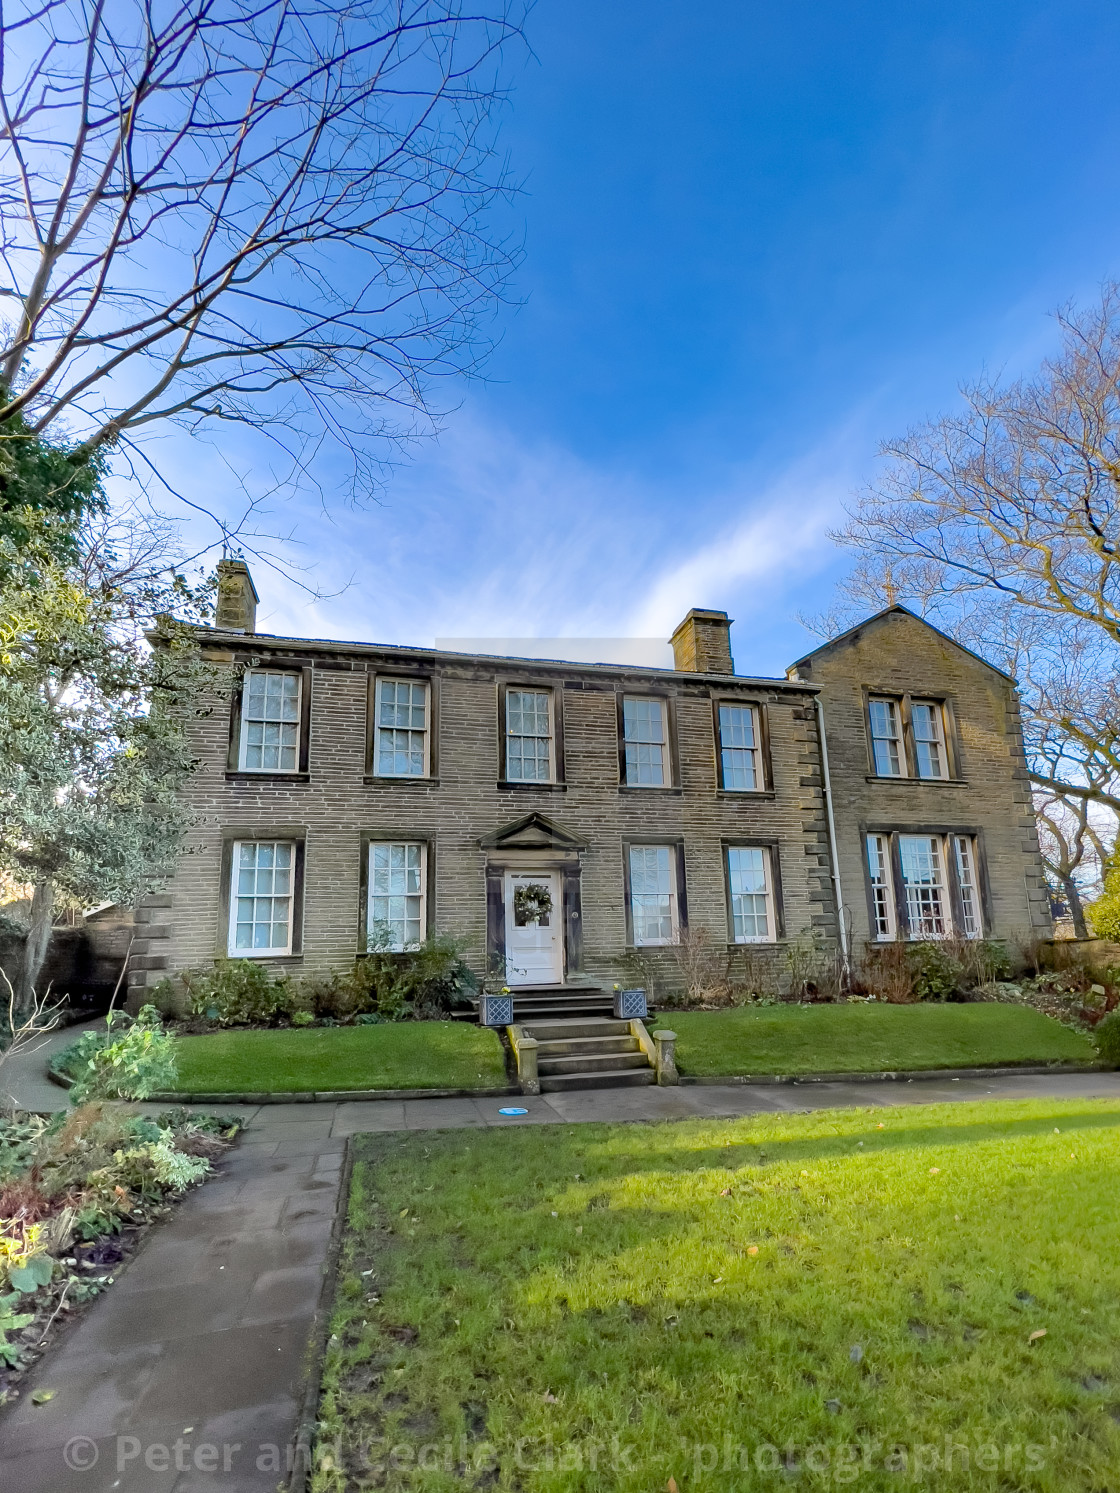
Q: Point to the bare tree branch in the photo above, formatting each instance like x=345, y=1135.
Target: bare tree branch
x=263, y=211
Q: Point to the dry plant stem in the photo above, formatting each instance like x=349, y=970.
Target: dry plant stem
x=25, y=1028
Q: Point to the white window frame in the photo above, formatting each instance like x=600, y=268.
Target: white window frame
x=425, y=685
x=766, y=858
x=968, y=880
x=673, y=895
x=247, y=721
x=509, y=736
x=937, y=740
x=898, y=739
x=236, y=868
x=752, y=753
x=627, y=741
x=882, y=888
x=371, y=893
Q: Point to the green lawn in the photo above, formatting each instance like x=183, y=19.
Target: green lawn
x=393, y=1055
x=704, y=1300
x=869, y=1038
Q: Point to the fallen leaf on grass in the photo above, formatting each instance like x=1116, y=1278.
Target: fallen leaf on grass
x=934, y=1170
x=671, y=1485
x=717, y=1280
x=726, y=1193
x=752, y=1249
x=1036, y=1334
x=404, y=1213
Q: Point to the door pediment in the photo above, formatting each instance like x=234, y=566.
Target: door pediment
x=533, y=832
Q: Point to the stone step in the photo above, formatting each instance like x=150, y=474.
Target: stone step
x=567, y=1031
x=592, y=1046
x=606, y=1062
x=559, y=1083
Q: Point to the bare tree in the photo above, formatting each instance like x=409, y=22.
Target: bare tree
x=262, y=211
x=1002, y=524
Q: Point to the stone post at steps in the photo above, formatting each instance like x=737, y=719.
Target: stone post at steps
x=527, y=1065
x=666, y=1058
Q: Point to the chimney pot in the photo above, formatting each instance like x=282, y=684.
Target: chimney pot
x=236, y=610
x=702, y=643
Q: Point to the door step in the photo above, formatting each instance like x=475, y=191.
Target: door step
x=624, y=1078
x=588, y=1054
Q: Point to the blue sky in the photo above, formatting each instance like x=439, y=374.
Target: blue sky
x=758, y=239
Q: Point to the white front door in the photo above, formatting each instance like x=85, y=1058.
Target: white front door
x=534, y=953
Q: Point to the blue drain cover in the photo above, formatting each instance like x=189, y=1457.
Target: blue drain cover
x=513, y=1110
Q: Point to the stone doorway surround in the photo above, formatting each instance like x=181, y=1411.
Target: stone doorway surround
x=534, y=843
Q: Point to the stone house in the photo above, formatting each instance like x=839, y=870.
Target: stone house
x=571, y=823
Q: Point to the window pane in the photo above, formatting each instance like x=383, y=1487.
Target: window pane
x=262, y=896
x=270, y=722
x=401, y=736
x=749, y=878
x=965, y=853
x=882, y=895
x=643, y=723
x=396, y=896
x=738, y=737
x=652, y=894
x=886, y=738
x=929, y=746
x=923, y=878
x=528, y=736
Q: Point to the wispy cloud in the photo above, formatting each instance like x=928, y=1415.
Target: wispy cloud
x=484, y=534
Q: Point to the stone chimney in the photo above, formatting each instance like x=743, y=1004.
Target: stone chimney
x=702, y=643
x=237, y=598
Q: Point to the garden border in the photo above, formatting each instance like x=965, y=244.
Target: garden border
x=365, y=1096
x=304, y=1096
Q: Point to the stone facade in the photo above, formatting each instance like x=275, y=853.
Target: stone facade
x=985, y=794
x=476, y=824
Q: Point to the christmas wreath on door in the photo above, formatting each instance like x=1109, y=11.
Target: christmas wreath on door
x=532, y=903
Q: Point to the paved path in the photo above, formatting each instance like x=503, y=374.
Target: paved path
x=197, y=1355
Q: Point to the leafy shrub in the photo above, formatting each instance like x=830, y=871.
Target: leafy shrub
x=11, y=1321
x=238, y=992
x=937, y=969
x=1104, y=913
x=133, y=1065
x=421, y=983
x=1106, y=1034
x=24, y=1264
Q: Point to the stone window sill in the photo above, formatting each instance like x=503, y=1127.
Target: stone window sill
x=746, y=793
x=388, y=780
x=651, y=791
x=268, y=777
x=517, y=787
x=873, y=777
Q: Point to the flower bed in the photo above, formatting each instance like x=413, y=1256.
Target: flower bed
x=77, y=1194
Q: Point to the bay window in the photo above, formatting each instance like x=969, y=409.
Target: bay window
x=927, y=884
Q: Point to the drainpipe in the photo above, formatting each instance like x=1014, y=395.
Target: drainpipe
x=832, y=851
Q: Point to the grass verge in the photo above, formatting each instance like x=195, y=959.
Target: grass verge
x=838, y=1295
x=869, y=1038
x=391, y=1055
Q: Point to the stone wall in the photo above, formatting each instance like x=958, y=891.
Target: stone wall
x=465, y=802
x=897, y=653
